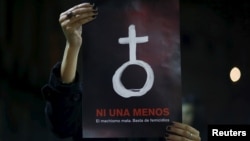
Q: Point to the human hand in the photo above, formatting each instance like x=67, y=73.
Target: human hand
x=72, y=20
x=181, y=132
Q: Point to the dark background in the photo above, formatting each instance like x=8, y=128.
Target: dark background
x=215, y=36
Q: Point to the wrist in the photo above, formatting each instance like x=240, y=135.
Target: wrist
x=73, y=46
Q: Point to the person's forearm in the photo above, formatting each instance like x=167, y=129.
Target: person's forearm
x=69, y=63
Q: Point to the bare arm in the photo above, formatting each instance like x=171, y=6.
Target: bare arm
x=72, y=28
x=63, y=90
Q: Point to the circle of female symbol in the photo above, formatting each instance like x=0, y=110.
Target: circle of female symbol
x=119, y=88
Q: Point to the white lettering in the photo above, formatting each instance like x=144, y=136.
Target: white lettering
x=216, y=132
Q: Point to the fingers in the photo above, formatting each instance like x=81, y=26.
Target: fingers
x=182, y=132
x=186, y=127
x=76, y=10
x=79, y=15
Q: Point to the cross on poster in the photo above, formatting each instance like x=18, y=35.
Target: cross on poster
x=131, y=69
x=119, y=88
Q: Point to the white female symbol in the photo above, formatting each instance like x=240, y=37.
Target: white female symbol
x=119, y=88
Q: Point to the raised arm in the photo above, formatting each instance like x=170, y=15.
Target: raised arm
x=63, y=90
x=71, y=22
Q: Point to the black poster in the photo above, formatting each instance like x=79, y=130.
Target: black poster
x=131, y=69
